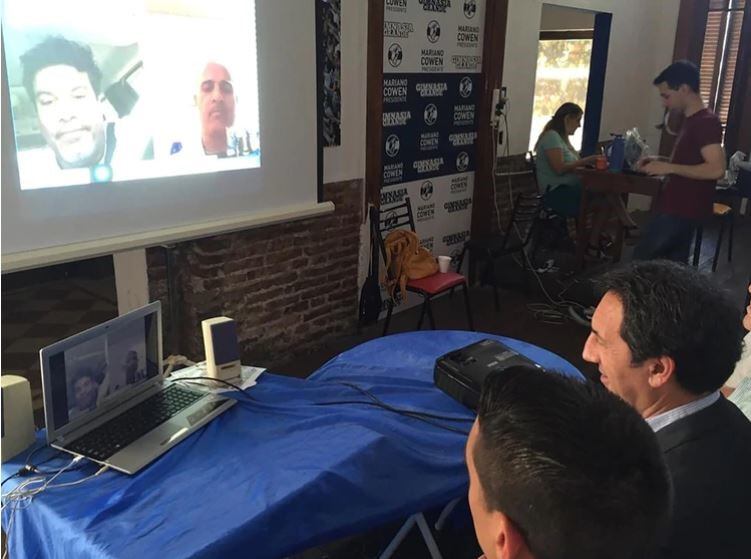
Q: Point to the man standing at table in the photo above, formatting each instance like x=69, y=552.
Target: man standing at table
x=665, y=339
x=562, y=468
x=697, y=162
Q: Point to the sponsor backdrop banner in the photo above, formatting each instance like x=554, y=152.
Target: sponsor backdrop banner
x=432, y=59
x=432, y=36
x=429, y=125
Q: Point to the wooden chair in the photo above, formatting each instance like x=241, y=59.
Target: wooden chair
x=400, y=217
x=724, y=214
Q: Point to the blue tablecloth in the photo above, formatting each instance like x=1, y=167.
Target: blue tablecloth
x=279, y=474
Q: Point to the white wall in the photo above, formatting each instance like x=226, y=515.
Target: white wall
x=641, y=44
x=563, y=18
x=347, y=161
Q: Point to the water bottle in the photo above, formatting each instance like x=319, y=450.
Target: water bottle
x=616, y=153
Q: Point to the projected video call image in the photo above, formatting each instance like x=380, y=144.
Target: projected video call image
x=106, y=91
x=100, y=368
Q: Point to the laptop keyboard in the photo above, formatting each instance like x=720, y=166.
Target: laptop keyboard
x=120, y=431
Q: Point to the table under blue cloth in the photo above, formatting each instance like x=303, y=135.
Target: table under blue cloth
x=276, y=475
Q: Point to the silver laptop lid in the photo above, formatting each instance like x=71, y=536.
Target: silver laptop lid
x=86, y=375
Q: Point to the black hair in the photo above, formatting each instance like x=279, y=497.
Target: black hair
x=574, y=467
x=673, y=310
x=558, y=121
x=84, y=372
x=678, y=74
x=55, y=51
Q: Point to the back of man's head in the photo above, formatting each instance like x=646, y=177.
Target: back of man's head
x=673, y=310
x=682, y=72
x=574, y=468
x=54, y=51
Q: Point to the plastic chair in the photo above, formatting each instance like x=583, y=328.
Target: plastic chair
x=399, y=217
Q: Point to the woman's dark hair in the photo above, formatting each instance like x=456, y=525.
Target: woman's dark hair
x=558, y=121
x=674, y=310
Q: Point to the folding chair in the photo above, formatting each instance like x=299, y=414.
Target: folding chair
x=513, y=240
x=400, y=217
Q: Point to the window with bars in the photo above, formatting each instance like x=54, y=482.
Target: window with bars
x=720, y=53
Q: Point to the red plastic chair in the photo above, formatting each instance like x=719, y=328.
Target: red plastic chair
x=400, y=217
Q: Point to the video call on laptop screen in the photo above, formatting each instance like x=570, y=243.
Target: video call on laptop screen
x=85, y=376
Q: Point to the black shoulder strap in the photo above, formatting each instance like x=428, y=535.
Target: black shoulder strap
x=374, y=244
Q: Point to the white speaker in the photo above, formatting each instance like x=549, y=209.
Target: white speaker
x=222, y=349
x=18, y=415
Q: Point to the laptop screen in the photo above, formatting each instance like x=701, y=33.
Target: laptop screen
x=85, y=375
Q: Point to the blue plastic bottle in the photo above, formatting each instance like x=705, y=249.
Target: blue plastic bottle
x=616, y=153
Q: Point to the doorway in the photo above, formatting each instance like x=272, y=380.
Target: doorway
x=571, y=61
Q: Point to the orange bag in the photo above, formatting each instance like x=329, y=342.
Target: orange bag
x=406, y=260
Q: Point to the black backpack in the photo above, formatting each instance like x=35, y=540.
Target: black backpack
x=370, y=294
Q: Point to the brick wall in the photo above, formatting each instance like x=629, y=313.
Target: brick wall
x=289, y=287
x=509, y=180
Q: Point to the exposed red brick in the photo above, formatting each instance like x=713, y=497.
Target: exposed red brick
x=291, y=285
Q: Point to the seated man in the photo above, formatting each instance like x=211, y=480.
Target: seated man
x=561, y=469
x=665, y=339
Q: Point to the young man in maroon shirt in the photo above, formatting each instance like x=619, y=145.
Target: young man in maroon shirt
x=697, y=162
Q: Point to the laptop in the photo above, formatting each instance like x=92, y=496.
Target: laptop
x=105, y=397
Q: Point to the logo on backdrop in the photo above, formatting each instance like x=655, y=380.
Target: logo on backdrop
x=426, y=212
x=431, y=89
x=398, y=29
x=465, y=87
x=470, y=8
x=464, y=115
x=435, y=5
x=427, y=243
x=457, y=206
x=466, y=62
x=395, y=55
x=396, y=5
x=431, y=60
x=395, y=90
x=459, y=185
x=455, y=255
x=389, y=220
x=430, y=115
x=432, y=165
x=396, y=118
x=434, y=31
x=430, y=141
x=393, y=173
x=455, y=238
x=462, y=161
x=392, y=145
x=462, y=139
x=426, y=190
x=390, y=197
x=468, y=36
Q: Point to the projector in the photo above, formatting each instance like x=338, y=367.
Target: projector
x=462, y=372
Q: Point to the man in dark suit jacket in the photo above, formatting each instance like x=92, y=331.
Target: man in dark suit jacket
x=665, y=339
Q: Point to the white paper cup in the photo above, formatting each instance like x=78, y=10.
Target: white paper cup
x=443, y=264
